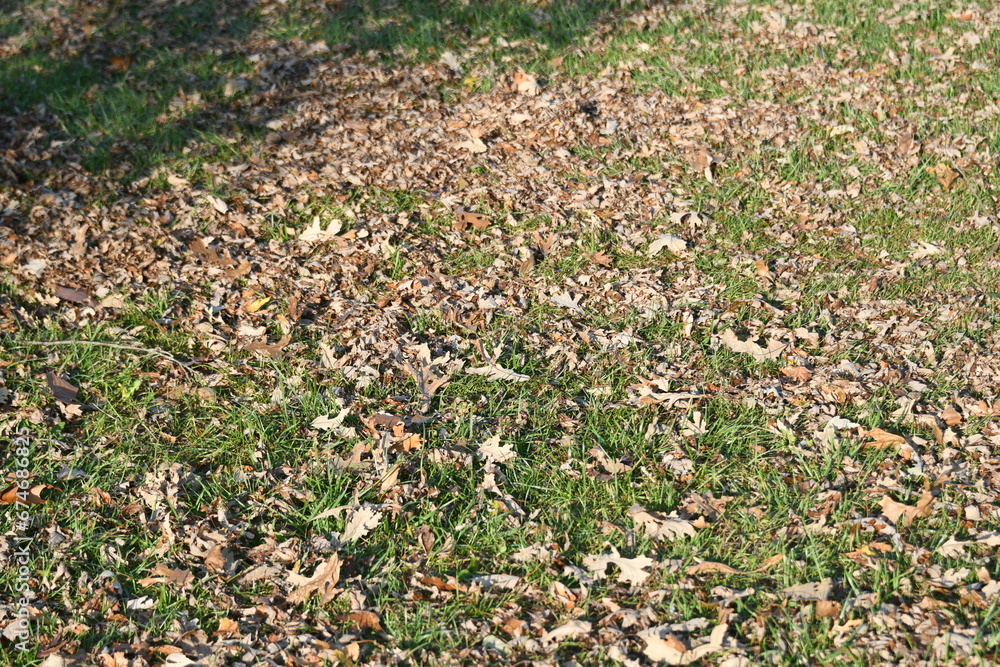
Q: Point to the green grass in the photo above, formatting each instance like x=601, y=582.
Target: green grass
x=223, y=449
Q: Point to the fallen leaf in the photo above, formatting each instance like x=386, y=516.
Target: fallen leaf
x=119, y=64
x=632, y=570
x=944, y=174
x=164, y=575
x=211, y=255
x=363, y=620
x=74, y=295
x=525, y=83
x=14, y=494
x=881, y=439
x=463, y=219
x=316, y=234
x=674, y=244
x=176, y=181
x=773, y=350
x=797, y=372
x=63, y=391
x=362, y=521
x=496, y=372
x=659, y=527
x=566, y=300
x=570, y=629
x=893, y=510
x=502, y=581
x=474, y=145
x=217, y=203
x=227, y=628
x=324, y=581
x=710, y=567
x=818, y=590
x=951, y=416
x=925, y=249
x=492, y=451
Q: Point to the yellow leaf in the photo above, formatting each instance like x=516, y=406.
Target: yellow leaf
x=258, y=304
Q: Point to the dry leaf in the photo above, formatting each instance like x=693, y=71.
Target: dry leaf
x=362, y=521
x=893, y=510
x=492, y=451
x=176, y=181
x=882, y=439
x=63, y=391
x=951, y=416
x=944, y=174
x=501, y=581
x=164, y=575
x=566, y=300
x=924, y=249
x=632, y=570
x=217, y=203
x=659, y=527
x=362, y=620
x=316, y=234
x=211, y=255
x=473, y=144
x=674, y=244
x=74, y=295
x=119, y=64
x=773, y=350
x=570, y=629
x=525, y=83
x=14, y=494
x=797, y=372
x=819, y=590
x=496, y=372
x=463, y=219
x=323, y=581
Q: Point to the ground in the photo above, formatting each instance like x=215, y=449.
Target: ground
x=499, y=332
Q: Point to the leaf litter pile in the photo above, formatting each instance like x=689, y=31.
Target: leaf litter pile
x=673, y=344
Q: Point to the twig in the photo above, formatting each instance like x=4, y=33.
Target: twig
x=145, y=350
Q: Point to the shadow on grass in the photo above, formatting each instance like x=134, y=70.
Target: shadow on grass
x=131, y=84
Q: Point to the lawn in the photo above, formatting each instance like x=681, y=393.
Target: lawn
x=506, y=332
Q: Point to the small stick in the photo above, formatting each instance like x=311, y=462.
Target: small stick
x=117, y=346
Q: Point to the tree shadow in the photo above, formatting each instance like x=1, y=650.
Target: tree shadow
x=125, y=86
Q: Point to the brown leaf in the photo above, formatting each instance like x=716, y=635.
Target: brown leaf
x=75, y=295
x=827, y=608
x=210, y=255
x=894, y=510
x=425, y=534
x=228, y=628
x=602, y=259
x=240, y=271
x=907, y=146
x=14, y=494
x=882, y=439
x=525, y=83
x=119, y=64
x=363, y=620
x=951, y=416
x=61, y=389
x=797, y=372
x=323, y=581
x=709, y=567
x=272, y=351
x=463, y=219
x=164, y=575
x=945, y=174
